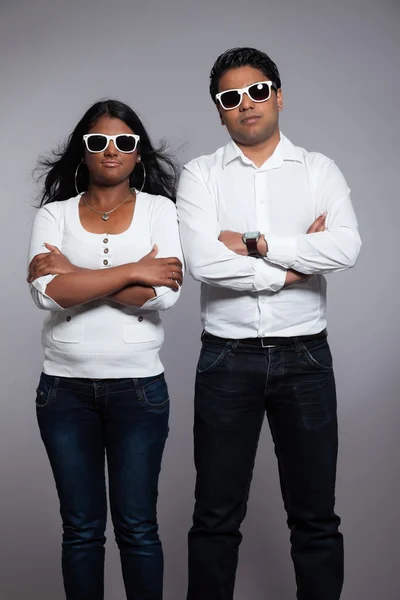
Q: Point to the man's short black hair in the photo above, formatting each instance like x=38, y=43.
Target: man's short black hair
x=241, y=57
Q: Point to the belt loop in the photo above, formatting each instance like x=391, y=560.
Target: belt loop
x=138, y=389
x=297, y=345
x=55, y=387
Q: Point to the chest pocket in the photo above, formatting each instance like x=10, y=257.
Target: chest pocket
x=67, y=328
x=138, y=328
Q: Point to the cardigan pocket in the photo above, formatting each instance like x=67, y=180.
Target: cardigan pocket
x=67, y=328
x=138, y=329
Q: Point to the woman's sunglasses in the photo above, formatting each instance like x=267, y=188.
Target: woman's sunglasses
x=124, y=142
x=258, y=92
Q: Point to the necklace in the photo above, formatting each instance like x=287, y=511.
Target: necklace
x=106, y=215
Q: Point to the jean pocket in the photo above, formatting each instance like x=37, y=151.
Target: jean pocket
x=43, y=394
x=155, y=393
x=317, y=354
x=212, y=355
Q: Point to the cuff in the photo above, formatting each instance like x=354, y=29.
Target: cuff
x=38, y=292
x=165, y=297
x=282, y=250
x=269, y=278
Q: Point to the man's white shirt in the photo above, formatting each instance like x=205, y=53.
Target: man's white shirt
x=242, y=296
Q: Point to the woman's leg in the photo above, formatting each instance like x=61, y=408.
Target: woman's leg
x=136, y=428
x=72, y=432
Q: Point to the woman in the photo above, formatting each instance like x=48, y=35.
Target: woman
x=104, y=258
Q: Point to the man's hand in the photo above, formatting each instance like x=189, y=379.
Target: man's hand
x=293, y=276
x=49, y=263
x=318, y=225
x=234, y=241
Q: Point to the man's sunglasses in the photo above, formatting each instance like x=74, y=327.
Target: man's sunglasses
x=124, y=142
x=258, y=92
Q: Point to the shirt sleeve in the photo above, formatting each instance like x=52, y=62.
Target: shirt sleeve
x=165, y=233
x=207, y=259
x=45, y=229
x=335, y=249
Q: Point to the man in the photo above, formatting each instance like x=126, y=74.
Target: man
x=261, y=222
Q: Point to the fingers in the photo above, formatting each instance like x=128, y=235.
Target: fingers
x=173, y=261
x=38, y=257
x=38, y=271
x=322, y=223
x=43, y=255
x=293, y=276
x=177, y=274
x=153, y=252
x=171, y=283
x=176, y=286
x=52, y=248
x=318, y=225
x=34, y=267
x=178, y=279
x=41, y=265
x=174, y=280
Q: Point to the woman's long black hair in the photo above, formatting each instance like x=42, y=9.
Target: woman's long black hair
x=59, y=171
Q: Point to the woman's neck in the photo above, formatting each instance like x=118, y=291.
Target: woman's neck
x=104, y=197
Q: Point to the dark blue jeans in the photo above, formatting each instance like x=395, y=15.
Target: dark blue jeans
x=80, y=421
x=236, y=385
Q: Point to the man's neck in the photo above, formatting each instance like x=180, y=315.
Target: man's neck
x=262, y=151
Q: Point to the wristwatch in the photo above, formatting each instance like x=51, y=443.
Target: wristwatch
x=250, y=238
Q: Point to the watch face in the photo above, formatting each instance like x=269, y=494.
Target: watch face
x=251, y=235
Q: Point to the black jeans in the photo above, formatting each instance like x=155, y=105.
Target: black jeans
x=294, y=385
x=80, y=420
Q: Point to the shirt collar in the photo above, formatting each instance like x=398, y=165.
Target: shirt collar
x=285, y=151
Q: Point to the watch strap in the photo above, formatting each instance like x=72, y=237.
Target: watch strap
x=251, y=244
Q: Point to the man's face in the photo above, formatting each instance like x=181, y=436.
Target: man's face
x=251, y=123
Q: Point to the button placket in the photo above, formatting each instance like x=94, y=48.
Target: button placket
x=105, y=252
x=261, y=199
x=263, y=225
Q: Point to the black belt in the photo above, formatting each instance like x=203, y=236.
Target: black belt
x=268, y=341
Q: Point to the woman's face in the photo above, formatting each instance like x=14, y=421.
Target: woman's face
x=110, y=167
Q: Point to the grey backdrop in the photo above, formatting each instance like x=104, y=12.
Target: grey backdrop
x=339, y=63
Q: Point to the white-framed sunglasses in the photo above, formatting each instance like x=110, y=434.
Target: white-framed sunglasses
x=258, y=92
x=124, y=142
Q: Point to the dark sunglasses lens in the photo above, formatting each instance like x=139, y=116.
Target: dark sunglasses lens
x=126, y=143
x=96, y=143
x=230, y=99
x=259, y=92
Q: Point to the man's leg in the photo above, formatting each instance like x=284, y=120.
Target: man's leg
x=229, y=411
x=303, y=421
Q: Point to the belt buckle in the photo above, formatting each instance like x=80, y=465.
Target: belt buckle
x=262, y=343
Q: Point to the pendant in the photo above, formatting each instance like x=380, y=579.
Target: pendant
x=105, y=217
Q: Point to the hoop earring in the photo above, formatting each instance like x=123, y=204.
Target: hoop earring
x=76, y=178
x=144, y=177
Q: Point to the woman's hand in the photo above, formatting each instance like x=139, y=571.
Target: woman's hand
x=154, y=272
x=49, y=263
